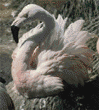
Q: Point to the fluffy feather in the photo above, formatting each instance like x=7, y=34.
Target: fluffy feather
x=38, y=69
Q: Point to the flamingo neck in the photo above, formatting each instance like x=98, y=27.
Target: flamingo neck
x=42, y=33
x=24, y=56
x=46, y=30
x=26, y=50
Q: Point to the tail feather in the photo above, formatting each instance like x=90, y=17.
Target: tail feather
x=52, y=85
x=75, y=42
x=40, y=85
x=82, y=38
x=72, y=30
x=77, y=25
x=61, y=22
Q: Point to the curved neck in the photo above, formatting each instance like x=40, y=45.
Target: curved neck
x=42, y=33
x=47, y=28
x=30, y=44
x=24, y=56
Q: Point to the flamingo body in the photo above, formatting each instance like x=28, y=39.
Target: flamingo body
x=49, y=54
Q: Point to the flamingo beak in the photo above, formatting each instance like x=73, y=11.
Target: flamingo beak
x=15, y=30
x=2, y=80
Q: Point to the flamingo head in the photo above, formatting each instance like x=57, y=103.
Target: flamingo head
x=30, y=12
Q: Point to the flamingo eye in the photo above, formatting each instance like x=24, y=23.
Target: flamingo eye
x=25, y=15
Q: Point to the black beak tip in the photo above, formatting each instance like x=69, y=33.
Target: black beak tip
x=15, y=30
x=2, y=80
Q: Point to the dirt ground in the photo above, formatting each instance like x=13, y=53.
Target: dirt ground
x=6, y=42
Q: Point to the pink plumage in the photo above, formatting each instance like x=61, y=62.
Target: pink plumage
x=49, y=54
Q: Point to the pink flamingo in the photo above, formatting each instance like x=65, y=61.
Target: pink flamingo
x=49, y=54
x=97, y=46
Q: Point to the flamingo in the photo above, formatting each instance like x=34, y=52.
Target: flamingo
x=48, y=54
x=97, y=45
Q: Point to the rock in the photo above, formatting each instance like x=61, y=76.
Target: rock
x=5, y=100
